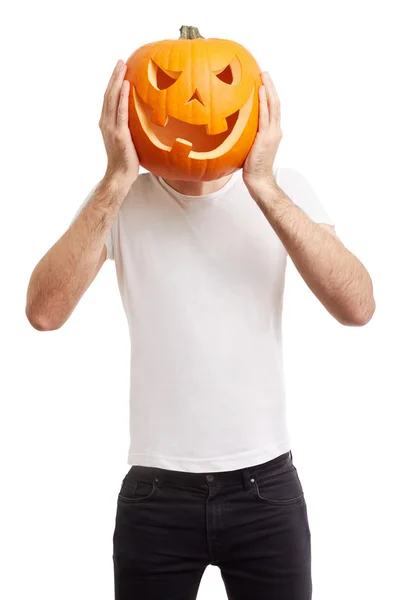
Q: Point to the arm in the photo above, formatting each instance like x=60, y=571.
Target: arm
x=337, y=278
x=65, y=272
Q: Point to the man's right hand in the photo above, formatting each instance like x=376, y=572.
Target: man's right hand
x=123, y=162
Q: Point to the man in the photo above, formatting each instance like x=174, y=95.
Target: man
x=201, y=267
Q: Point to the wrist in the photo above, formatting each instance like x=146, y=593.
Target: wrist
x=112, y=191
x=118, y=182
x=263, y=188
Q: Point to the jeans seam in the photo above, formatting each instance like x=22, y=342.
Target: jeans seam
x=258, y=496
x=274, y=473
x=137, y=500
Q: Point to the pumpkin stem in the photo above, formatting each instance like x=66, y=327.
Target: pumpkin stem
x=189, y=33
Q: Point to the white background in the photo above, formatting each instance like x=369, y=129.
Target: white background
x=340, y=74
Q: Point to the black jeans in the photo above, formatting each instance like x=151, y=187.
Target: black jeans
x=251, y=523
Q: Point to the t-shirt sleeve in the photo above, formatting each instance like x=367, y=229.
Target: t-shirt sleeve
x=109, y=237
x=299, y=190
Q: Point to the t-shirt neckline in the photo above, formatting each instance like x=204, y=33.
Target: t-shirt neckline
x=205, y=197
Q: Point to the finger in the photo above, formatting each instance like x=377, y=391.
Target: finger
x=110, y=102
x=263, y=110
x=273, y=100
x=123, y=107
x=116, y=70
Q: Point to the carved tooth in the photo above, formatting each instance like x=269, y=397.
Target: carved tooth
x=159, y=117
x=217, y=125
x=181, y=149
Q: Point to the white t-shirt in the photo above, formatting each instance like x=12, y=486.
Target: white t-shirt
x=201, y=280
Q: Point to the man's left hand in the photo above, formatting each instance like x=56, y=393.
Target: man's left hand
x=257, y=170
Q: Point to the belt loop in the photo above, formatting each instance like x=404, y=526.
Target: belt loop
x=131, y=479
x=290, y=453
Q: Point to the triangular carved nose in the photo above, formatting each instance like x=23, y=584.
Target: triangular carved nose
x=196, y=96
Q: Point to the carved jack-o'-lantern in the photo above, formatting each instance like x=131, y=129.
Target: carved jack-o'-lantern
x=193, y=106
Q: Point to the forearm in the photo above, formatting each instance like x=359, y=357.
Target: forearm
x=65, y=272
x=338, y=279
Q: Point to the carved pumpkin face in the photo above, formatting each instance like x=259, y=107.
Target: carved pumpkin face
x=193, y=107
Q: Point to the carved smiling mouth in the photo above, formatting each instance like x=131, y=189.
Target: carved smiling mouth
x=193, y=141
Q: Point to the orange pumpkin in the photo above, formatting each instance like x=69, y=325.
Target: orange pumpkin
x=193, y=106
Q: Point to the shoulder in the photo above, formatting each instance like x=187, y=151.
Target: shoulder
x=302, y=193
x=142, y=189
x=295, y=185
x=145, y=182
x=290, y=177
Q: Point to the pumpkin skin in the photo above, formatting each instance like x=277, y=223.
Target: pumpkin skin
x=193, y=107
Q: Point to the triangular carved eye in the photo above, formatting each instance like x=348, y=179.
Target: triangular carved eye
x=161, y=78
x=231, y=74
x=226, y=75
x=195, y=96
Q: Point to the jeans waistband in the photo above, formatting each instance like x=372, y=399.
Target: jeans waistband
x=184, y=478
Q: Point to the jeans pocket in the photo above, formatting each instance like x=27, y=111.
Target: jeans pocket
x=133, y=491
x=281, y=489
